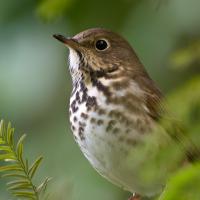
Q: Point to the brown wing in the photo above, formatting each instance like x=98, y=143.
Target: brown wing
x=152, y=97
x=159, y=112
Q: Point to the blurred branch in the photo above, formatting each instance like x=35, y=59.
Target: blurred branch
x=186, y=56
x=51, y=9
x=16, y=168
x=110, y=14
x=185, y=102
x=159, y=3
x=184, y=185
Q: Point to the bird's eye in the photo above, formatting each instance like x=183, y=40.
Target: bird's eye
x=101, y=45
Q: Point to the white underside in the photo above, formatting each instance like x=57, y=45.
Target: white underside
x=124, y=165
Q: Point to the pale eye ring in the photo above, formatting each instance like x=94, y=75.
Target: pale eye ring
x=101, y=44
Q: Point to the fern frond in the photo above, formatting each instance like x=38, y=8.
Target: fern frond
x=16, y=167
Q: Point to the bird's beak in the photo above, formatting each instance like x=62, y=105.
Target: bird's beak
x=69, y=42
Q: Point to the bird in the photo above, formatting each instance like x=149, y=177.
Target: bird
x=118, y=115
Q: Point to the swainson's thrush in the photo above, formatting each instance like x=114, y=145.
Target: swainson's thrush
x=115, y=109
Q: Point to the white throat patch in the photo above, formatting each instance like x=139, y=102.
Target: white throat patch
x=73, y=60
x=74, y=65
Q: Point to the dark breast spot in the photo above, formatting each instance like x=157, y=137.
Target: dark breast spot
x=81, y=133
x=84, y=97
x=84, y=115
x=75, y=119
x=100, y=122
x=93, y=120
x=81, y=130
x=91, y=103
x=73, y=128
x=101, y=111
x=110, y=125
x=78, y=97
x=96, y=83
x=73, y=106
x=119, y=116
x=84, y=90
x=103, y=89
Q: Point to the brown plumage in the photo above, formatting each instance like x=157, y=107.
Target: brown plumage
x=122, y=125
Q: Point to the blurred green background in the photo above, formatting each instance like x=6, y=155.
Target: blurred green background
x=35, y=84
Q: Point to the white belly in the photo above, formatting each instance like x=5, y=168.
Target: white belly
x=118, y=152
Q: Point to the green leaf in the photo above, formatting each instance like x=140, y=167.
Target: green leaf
x=17, y=175
x=7, y=156
x=184, y=185
x=42, y=187
x=22, y=186
x=2, y=141
x=2, y=129
x=26, y=165
x=19, y=148
x=10, y=168
x=34, y=167
x=10, y=134
x=5, y=148
x=50, y=9
x=186, y=56
x=189, y=109
x=16, y=167
x=16, y=182
x=25, y=194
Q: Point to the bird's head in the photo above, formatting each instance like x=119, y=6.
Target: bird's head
x=101, y=53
